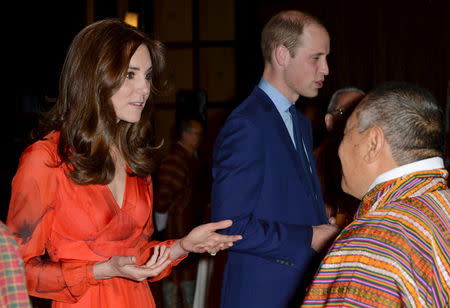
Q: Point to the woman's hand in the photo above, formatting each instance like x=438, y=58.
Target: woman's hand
x=125, y=267
x=204, y=239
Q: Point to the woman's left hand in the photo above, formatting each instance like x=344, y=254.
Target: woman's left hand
x=125, y=266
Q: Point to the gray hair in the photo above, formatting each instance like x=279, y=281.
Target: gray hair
x=410, y=117
x=334, y=98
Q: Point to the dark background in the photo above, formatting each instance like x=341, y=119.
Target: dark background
x=371, y=42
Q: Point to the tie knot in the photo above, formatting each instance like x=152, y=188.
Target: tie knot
x=293, y=110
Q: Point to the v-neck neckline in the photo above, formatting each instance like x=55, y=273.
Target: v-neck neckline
x=124, y=197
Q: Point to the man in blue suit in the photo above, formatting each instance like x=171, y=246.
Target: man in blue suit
x=264, y=172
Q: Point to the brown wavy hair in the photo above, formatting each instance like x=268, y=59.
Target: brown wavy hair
x=94, y=69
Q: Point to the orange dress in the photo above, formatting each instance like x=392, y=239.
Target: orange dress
x=63, y=229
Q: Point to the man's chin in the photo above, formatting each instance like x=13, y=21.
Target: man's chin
x=350, y=192
x=311, y=93
x=345, y=188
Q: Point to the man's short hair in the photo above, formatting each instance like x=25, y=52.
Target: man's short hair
x=410, y=117
x=285, y=29
x=335, y=97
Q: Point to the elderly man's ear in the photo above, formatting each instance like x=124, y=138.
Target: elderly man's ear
x=329, y=121
x=376, y=145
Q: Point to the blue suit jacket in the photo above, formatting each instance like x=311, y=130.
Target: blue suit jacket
x=259, y=184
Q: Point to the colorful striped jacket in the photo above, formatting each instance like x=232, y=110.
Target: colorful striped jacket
x=397, y=251
x=13, y=287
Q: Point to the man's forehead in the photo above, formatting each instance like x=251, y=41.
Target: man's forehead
x=314, y=38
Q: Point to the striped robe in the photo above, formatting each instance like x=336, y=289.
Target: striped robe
x=397, y=251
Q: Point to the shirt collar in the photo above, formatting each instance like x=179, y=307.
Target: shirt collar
x=280, y=101
x=417, y=166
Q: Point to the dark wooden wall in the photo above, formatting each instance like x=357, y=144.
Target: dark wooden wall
x=371, y=41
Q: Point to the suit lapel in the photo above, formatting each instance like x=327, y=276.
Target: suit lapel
x=274, y=120
x=273, y=116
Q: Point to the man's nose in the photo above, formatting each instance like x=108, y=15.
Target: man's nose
x=324, y=68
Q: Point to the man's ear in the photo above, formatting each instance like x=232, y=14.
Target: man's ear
x=375, y=144
x=280, y=55
x=329, y=121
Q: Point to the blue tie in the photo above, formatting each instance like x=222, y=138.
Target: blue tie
x=306, y=164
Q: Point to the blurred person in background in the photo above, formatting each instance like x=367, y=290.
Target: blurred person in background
x=338, y=204
x=181, y=199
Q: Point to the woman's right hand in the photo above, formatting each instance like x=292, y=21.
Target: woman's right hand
x=204, y=238
x=125, y=267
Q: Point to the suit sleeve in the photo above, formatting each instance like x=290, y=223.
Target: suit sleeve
x=238, y=176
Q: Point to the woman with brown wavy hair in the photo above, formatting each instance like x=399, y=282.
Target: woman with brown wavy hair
x=81, y=202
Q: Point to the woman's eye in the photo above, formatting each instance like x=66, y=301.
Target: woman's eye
x=149, y=76
x=130, y=75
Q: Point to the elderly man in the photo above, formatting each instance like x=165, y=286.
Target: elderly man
x=341, y=102
x=396, y=252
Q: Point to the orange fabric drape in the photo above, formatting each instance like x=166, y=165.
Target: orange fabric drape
x=63, y=229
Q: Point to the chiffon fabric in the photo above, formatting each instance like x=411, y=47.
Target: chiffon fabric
x=63, y=229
